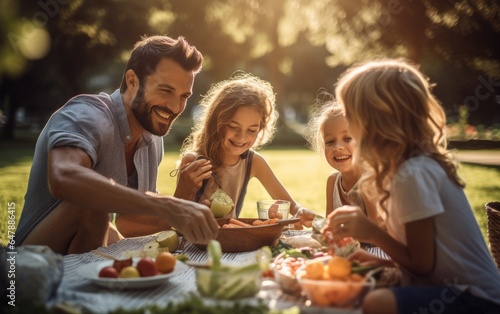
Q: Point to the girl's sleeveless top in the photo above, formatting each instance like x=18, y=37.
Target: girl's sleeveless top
x=233, y=181
x=353, y=195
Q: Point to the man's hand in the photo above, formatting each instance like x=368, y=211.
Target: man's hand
x=195, y=221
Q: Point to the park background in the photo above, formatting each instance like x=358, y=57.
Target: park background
x=51, y=50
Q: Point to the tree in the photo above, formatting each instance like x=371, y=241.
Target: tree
x=85, y=37
x=259, y=29
x=430, y=32
x=455, y=36
x=298, y=45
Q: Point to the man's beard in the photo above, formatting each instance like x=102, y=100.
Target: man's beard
x=142, y=111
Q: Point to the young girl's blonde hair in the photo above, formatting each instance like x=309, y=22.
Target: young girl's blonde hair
x=325, y=107
x=219, y=106
x=390, y=103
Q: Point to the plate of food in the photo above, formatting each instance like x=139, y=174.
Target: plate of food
x=132, y=273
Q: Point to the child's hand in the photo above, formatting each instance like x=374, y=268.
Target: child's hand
x=367, y=259
x=273, y=212
x=306, y=218
x=190, y=178
x=350, y=221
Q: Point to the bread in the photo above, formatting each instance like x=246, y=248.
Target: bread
x=302, y=241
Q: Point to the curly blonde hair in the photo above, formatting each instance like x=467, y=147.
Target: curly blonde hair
x=391, y=105
x=325, y=107
x=218, y=107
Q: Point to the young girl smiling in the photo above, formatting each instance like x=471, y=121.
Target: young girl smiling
x=238, y=116
x=326, y=133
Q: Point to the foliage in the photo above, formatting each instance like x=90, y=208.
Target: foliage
x=464, y=131
x=415, y=29
x=299, y=46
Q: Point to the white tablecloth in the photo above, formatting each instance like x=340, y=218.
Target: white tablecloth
x=79, y=291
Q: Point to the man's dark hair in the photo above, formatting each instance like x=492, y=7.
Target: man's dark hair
x=149, y=51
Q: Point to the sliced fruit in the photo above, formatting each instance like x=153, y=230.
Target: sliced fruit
x=182, y=257
x=151, y=246
x=215, y=253
x=203, y=279
x=222, y=204
x=227, y=281
x=168, y=239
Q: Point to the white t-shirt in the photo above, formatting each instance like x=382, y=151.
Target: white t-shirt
x=422, y=189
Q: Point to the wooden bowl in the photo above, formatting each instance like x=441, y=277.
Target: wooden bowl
x=233, y=240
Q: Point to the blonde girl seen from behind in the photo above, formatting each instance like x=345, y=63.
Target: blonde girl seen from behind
x=432, y=234
x=408, y=123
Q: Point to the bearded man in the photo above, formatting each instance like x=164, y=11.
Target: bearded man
x=99, y=155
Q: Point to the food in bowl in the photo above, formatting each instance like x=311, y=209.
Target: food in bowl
x=249, y=238
x=284, y=269
x=165, y=241
x=331, y=282
x=287, y=260
x=287, y=281
x=230, y=282
x=224, y=281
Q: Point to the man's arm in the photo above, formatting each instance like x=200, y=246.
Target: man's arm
x=71, y=179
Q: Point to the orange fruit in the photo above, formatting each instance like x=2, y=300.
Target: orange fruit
x=356, y=277
x=314, y=271
x=165, y=262
x=339, y=267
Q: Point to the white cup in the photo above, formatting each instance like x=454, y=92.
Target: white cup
x=277, y=207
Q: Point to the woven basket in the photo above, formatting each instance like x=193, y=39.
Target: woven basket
x=493, y=215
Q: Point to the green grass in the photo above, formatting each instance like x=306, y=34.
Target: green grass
x=302, y=171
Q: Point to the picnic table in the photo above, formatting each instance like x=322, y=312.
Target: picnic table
x=78, y=291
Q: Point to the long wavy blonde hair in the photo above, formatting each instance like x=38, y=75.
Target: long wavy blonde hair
x=219, y=106
x=391, y=105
